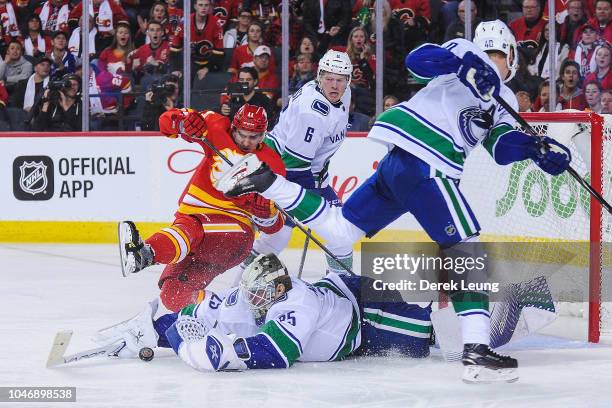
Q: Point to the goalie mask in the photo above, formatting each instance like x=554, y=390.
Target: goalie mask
x=259, y=281
x=496, y=36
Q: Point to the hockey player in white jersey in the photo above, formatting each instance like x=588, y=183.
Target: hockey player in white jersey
x=311, y=128
x=429, y=138
x=273, y=320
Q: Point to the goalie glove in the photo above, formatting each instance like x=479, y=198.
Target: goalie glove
x=202, y=348
x=479, y=77
x=515, y=146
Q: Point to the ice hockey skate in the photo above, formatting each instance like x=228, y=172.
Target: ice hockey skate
x=135, y=254
x=483, y=365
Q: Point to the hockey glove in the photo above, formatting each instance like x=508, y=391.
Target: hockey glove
x=515, y=146
x=194, y=124
x=552, y=162
x=480, y=78
x=263, y=212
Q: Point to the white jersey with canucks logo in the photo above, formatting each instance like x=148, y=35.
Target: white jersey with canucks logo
x=318, y=322
x=310, y=130
x=444, y=121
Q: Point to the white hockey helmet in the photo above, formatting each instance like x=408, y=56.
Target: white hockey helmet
x=259, y=280
x=336, y=62
x=496, y=36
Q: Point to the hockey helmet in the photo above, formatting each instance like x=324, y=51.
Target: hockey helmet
x=336, y=62
x=259, y=280
x=251, y=118
x=496, y=36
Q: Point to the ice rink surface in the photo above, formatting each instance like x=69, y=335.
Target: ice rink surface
x=47, y=288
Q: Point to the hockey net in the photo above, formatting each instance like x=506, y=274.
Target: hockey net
x=521, y=203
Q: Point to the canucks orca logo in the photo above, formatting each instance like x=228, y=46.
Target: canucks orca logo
x=476, y=117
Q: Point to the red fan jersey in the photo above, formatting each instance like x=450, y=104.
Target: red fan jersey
x=243, y=57
x=525, y=36
x=139, y=57
x=411, y=8
x=200, y=196
x=204, y=42
x=225, y=10
x=107, y=86
x=114, y=61
x=107, y=15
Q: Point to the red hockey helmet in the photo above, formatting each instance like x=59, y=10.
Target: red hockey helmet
x=251, y=118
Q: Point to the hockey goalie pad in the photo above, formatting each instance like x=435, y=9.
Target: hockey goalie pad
x=526, y=308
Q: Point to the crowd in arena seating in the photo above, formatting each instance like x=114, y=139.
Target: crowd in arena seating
x=136, y=55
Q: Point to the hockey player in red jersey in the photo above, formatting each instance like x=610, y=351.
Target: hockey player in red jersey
x=210, y=233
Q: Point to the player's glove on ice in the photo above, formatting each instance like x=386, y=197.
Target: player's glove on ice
x=479, y=77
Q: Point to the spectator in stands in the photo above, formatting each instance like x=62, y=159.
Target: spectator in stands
x=237, y=35
x=364, y=65
x=538, y=65
x=600, y=67
x=603, y=19
x=267, y=12
x=150, y=61
x=328, y=22
x=35, y=43
x=162, y=96
x=14, y=67
x=29, y=91
x=606, y=101
x=570, y=92
x=523, y=80
x=306, y=45
x=106, y=90
x=227, y=10
x=592, y=94
x=206, y=42
x=389, y=101
x=243, y=55
x=59, y=110
x=524, y=101
x=585, y=50
x=231, y=102
x=528, y=29
x=74, y=43
x=416, y=18
x=107, y=14
x=158, y=12
x=357, y=122
x=63, y=61
x=541, y=103
x=54, y=16
x=267, y=79
x=304, y=72
x=574, y=20
x=9, y=25
x=175, y=14
x=114, y=59
x=457, y=29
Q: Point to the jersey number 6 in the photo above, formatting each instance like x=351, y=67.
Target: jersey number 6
x=309, y=133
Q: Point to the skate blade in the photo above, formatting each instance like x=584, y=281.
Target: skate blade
x=475, y=374
x=127, y=261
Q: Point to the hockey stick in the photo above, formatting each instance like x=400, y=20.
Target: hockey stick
x=297, y=223
x=303, y=259
x=570, y=170
x=61, y=342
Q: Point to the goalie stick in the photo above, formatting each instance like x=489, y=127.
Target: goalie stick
x=61, y=342
x=297, y=223
x=570, y=170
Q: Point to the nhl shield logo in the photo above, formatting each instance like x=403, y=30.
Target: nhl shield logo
x=33, y=178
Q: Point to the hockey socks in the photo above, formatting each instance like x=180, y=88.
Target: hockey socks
x=173, y=244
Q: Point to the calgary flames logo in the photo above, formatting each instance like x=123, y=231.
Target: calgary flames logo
x=219, y=165
x=204, y=47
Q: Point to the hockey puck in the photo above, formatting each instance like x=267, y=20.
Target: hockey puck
x=146, y=354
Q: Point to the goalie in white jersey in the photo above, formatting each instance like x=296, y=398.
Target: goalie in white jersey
x=429, y=139
x=273, y=320
x=310, y=130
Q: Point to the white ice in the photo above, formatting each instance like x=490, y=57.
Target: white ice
x=47, y=288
